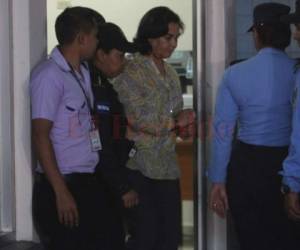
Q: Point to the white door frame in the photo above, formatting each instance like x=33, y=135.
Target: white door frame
x=6, y=166
x=214, y=31
x=200, y=228
x=23, y=44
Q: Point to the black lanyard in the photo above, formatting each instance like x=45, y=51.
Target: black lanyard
x=80, y=85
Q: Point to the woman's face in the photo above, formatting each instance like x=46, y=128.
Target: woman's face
x=163, y=47
x=111, y=64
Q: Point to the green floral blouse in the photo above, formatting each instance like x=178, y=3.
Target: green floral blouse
x=151, y=101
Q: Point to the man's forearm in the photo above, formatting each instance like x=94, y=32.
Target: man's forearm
x=48, y=162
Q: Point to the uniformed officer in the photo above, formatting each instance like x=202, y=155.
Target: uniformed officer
x=255, y=95
x=291, y=165
x=108, y=63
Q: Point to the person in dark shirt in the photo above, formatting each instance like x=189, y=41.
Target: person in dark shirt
x=108, y=63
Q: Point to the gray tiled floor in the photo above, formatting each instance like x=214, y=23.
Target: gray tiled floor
x=6, y=243
x=31, y=246
x=20, y=246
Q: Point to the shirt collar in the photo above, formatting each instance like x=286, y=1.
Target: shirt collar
x=147, y=60
x=59, y=59
x=271, y=50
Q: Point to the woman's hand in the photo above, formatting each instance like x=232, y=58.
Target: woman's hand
x=130, y=199
x=185, y=124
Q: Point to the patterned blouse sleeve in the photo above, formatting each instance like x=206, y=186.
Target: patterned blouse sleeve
x=139, y=109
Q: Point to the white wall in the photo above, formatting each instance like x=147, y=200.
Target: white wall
x=22, y=46
x=125, y=13
x=29, y=46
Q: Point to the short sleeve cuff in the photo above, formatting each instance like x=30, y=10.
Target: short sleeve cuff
x=216, y=177
x=293, y=183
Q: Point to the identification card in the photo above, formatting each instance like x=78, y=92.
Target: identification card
x=132, y=152
x=95, y=140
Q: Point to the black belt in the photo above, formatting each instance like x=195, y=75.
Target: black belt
x=73, y=177
x=259, y=147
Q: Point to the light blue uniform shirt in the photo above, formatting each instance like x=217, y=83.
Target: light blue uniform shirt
x=257, y=95
x=291, y=165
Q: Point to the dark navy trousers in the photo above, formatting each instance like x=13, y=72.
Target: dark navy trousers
x=255, y=200
x=155, y=224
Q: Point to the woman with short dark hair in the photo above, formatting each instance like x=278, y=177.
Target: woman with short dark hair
x=150, y=90
x=154, y=24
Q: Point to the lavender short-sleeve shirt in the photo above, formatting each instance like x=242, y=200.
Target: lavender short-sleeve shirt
x=57, y=97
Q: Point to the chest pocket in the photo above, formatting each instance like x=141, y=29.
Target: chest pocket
x=78, y=118
x=73, y=107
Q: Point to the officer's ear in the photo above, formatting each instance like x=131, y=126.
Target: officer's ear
x=257, y=40
x=81, y=38
x=255, y=33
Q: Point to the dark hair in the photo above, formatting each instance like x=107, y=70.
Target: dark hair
x=74, y=20
x=98, y=18
x=274, y=35
x=154, y=24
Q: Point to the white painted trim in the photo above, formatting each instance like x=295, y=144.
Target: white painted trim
x=29, y=47
x=198, y=102
x=6, y=166
x=216, y=61
x=219, y=51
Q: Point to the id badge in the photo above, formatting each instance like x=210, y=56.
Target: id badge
x=95, y=140
x=132, y=152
